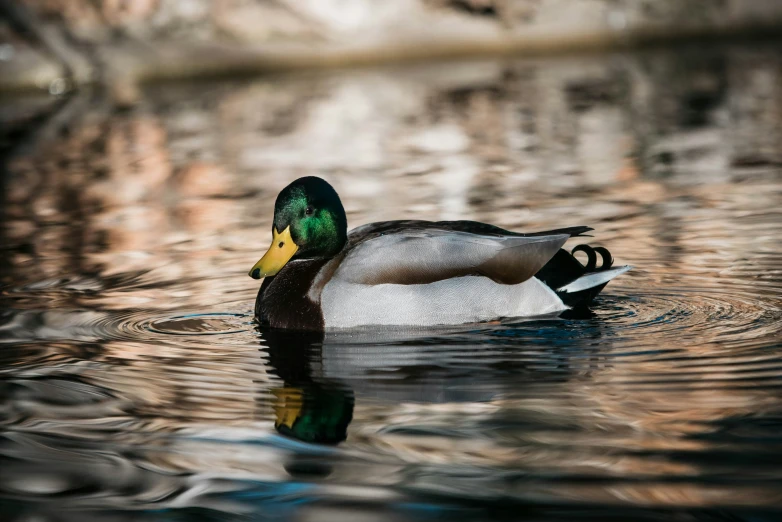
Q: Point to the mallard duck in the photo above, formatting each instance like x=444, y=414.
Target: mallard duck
x=415, y=273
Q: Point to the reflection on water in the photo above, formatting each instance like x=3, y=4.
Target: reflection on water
x=135, y=384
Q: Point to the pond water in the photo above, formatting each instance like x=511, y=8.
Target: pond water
x=135, y=385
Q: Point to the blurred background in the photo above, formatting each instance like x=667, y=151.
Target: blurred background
x=142, y=144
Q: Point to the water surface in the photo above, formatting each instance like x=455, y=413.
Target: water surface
x=135, y=384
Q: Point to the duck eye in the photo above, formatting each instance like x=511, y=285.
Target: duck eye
x=309, y=210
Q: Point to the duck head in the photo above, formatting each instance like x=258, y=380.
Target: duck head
x=309, y=223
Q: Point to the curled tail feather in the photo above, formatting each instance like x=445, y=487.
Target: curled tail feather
x=577, y=284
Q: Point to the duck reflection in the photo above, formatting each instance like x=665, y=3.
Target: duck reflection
x=306, y=409
x=322, y=373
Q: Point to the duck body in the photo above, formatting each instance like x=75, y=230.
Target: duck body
x=422, y=273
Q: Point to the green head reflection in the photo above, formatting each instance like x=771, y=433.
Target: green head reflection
x=306, y=408
x=314, y=414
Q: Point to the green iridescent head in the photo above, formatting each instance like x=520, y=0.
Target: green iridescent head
x=309, y=223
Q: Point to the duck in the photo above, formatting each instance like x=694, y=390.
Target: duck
x=318, y=276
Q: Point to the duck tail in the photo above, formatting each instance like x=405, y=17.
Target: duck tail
x=577, y=285
x=585, y=288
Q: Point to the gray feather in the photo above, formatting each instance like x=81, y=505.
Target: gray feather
x=594, y=279
x=426, y=256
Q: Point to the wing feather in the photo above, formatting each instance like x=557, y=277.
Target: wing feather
x=427, y=255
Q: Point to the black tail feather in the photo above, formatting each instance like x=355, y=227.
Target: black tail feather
x=591, y=256
x=571, y=231
x=564, y=268
x=608, y=259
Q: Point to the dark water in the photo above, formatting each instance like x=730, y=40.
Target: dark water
x=135, y=385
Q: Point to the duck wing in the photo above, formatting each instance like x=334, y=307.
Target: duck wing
x=371, y=230
x=397, y=253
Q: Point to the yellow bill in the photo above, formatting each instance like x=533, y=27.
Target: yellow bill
x=287, y=405
x=280, y=252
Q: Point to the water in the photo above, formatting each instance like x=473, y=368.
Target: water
x=136, y=386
